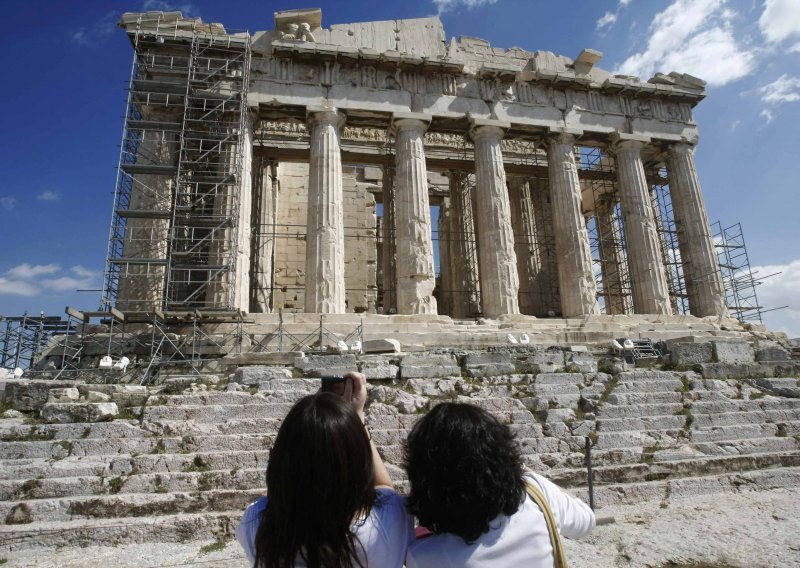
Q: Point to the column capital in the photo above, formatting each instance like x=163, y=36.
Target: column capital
x=562, y=136
x=410, y=120
x=681, y=148
x=621, y=141
x=480, y=127
x=325, y=115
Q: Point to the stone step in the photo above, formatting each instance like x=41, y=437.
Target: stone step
x=133, y=446
x=120, y=531
x=145, y=483
x=129, y=505
x=666, y=422
x=690, y=487
x=749, y=446
x=737, y=432
x=610, y=411
x=620, y=398
x=675, y=469
x=665, y=385
x=637, y=438
x=564, y=379
x=728, y=418
x=216, y=412
x=114, y=429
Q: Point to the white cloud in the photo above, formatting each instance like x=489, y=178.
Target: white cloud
x=165, y=6
x=607, y=19
x=102, y=28
x=17, y=287
x=49, y=196
x=778, y=291
x=624, y=3
x=26, y=270
x=780, y=20
x=443, y=6
x=784, y=89
x=767, y=115
x=696, y=37
x=65, y=283
x=84, y=272
x=735, y=124
x=8, y=203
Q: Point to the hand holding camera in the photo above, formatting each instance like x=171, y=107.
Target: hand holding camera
x=352, y=386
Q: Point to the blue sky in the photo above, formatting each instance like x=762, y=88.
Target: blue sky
x=68, y=65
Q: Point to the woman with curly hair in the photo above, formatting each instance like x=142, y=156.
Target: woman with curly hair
x=330, y=501
x=468, y=488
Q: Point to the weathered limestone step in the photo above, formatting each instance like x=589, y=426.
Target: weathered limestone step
x=573, y=379
x=129, y=505
x=133, y=446
x=114, y=429
x=675, y=469
x=120, y=531
x=667, y=422
x=718, y=433
x=633, y=438
x=621, y=398
x=749, y=446
x=652, y=386
x=177, y=481
x=689, y=487
x=396, y=436
x=234, y=426
x=227, y=398
x=216, y=412
x=611, y=411
x=728, y=418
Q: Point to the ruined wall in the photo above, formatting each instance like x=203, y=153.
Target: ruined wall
x=359, y=241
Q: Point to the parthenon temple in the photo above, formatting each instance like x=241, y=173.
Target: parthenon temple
x=379, y=167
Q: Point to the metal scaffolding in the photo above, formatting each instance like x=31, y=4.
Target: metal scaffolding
x=737, y=277
x=172, y=242
x=24, y=338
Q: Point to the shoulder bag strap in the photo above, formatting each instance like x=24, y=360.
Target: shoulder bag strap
x=536, y=494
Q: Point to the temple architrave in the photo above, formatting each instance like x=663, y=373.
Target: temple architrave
x=380, y=167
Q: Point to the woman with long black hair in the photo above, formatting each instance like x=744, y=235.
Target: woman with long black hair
x=330, y=501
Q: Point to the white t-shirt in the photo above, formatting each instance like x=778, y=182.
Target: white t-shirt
x=519, y=540
x=385, y=534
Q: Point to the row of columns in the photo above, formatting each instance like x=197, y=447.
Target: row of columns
x=501, y=260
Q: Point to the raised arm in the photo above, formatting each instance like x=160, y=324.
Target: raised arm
x=355, y=391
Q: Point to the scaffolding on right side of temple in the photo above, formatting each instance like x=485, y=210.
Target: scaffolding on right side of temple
x=738, y=279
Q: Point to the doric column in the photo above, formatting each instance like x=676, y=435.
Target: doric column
x=700, y=268
x=573, y=254
x=325, y=289
x=389, y=245
x=611, y=257
x=265, y=215
x=465, y=277
x=241, y=277
x=529, y=265
x=547, y=280
x=416, y=277
x=498, y=263
x=445, y=242
x=648, y=282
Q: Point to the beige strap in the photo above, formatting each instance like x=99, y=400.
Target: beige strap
x=559, y=558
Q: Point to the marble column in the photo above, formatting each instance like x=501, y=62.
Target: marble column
x=389, y=259
x=611, y=257
x=416, y=277
x=699, y=259
x=547, y=280
x=324, y=286
x=265, y=215
x=445, y=241
x=573, y=254
x=464, y=256
x=648, y=281
x=241, y=262
x=141, y=285
x=529, y=265
x=498, y=262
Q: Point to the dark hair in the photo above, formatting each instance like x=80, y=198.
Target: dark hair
x=465, y=468
x=319, y=479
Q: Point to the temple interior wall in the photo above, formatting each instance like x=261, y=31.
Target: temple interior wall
x=360, y=235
